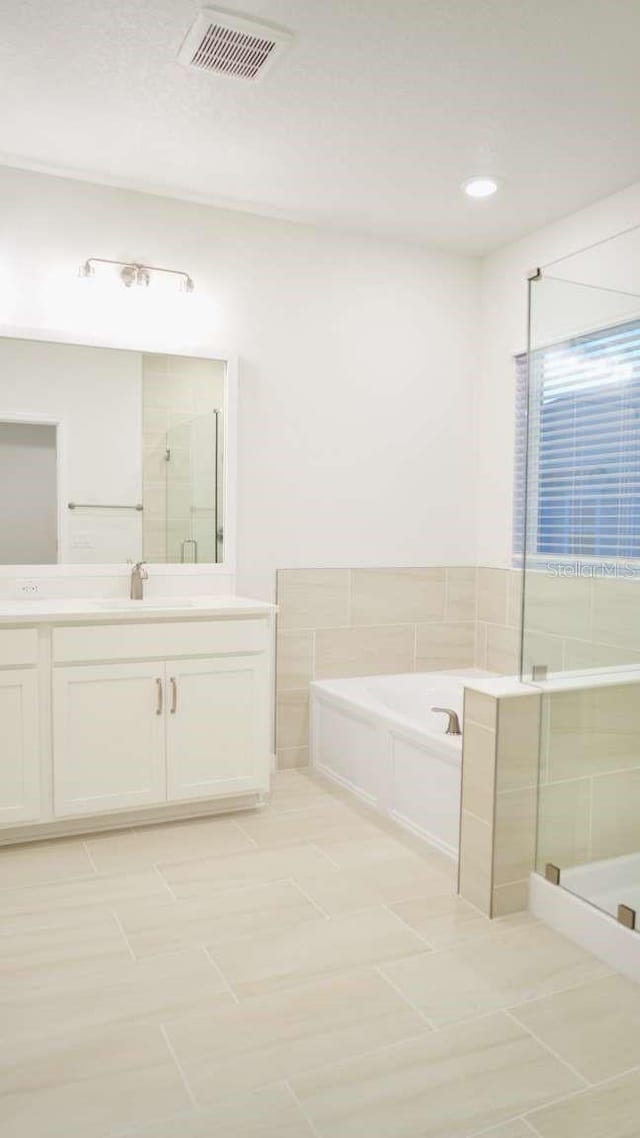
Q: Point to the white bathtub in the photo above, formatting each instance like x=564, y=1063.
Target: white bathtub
x=377, y=736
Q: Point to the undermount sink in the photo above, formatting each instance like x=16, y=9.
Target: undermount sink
x=148, y=603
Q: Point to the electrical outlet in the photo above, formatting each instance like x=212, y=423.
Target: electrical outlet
x=27, y=588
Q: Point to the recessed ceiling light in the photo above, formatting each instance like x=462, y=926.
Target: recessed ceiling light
x=481, y=187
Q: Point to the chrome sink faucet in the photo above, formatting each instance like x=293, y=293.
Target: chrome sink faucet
x=453, y=723
x=138, y=577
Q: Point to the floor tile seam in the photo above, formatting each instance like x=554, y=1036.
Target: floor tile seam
x=302, y=1110
x=614, y=1078
x=314, y=1068
x=487, y=1131
x=211, y=855
x=205, y=941
x=161, y=866
x=427, y=944
x=559, y=1101
x=238, y=825
x=559, y=992
x=325, y=855
x=227, y=984
x=437, y=950
x=222, y=890
x=580, y=1092
x=551, y=1050
x=356, y=1056
x=178, y=1065
x=90, y=857
x=123, y=933
x=414, y=1007
x=297, y=885
x=91, y=989
x=236, y=887
x=158, y=872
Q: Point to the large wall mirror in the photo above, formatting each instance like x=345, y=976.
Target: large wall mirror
x=109, y=456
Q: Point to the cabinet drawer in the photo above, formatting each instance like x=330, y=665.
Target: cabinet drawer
x=158, y=641
x=18, y=646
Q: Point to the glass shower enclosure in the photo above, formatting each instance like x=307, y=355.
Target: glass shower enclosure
x=194, y=490
x=578, y=517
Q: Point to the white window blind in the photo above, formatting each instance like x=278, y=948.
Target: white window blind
x=583, y=485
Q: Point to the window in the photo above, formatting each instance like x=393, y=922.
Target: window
x=584, y=448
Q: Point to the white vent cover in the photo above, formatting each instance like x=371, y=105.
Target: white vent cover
x=232, y=45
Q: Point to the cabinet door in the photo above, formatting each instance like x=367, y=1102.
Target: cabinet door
x=19, y=747
x=108, y=737
x=217, y=727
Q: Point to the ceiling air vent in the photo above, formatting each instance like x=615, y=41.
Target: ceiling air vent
x=231, y=45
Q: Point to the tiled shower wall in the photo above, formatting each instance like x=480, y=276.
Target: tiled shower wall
x=349, y=622
x=589, y=775
x=571, y=622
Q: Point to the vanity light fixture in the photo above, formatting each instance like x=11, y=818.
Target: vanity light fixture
x=481, y=187
x=135, y=274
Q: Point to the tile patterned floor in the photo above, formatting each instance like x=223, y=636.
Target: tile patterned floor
x=306, y=971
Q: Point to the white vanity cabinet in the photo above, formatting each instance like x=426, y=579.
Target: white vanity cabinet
x=108, y=738
x=19, y=750
x=136, y=716
x=216, y=722
x=127, y=735
x=20, y=796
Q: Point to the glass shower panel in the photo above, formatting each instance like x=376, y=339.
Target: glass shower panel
x=195, y=490
x=581, y=524
x=580, y=556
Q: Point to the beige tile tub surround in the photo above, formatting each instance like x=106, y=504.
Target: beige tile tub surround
x=360, y=622
x=137, y=1001
x=346, y=622
x=499, y=799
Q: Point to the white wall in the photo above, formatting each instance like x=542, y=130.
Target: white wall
x=358, y=361
x=504, y=334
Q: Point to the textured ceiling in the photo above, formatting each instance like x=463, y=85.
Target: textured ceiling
x=371, y=121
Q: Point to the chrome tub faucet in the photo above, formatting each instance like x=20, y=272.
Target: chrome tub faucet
x=138, y=577
x=453, y=722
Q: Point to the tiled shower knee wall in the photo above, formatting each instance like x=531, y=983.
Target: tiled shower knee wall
x=501, y=743
x=551, y=777
x=360, y=622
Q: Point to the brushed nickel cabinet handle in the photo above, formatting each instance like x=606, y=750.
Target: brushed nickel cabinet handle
x=160, y=693
x=174, y=695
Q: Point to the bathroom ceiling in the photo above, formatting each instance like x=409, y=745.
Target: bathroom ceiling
x=370, y=121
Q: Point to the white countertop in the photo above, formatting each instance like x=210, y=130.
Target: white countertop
x=66, y=610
